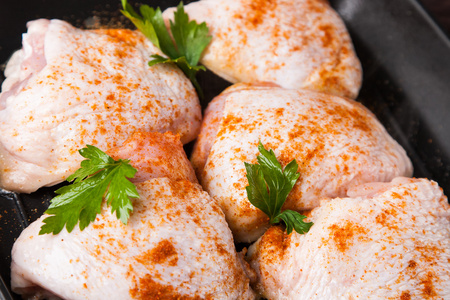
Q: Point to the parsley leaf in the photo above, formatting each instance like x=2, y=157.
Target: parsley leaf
x=189, y=38
x=99, y=177
x=293, y=220
x=269, y=187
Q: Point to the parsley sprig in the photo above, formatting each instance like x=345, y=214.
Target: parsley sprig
x=189, y=38
x=100, y=176
x=269, y=187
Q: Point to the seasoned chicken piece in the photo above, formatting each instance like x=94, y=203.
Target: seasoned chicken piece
x=337, y=143
x=296, y=44
x=390, y=242
x=164, y=157
x=69, y=87
x=177, y=245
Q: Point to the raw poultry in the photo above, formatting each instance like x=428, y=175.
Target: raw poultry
x=337, y=143
x=176, y=244
x=386, y=241
x=295, y=44
x=69, y=87
x=361, y=153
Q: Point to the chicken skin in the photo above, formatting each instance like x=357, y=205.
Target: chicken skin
x=337, y=143
x=295, y=44
x=176, y=245
x=69, y=87
x=164, y=157
x=389, y=241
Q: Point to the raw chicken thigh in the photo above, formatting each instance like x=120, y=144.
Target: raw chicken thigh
x=337, y=143
x=176, y=245
x=389, y=241
x=69, y=87
x=164, y=157
x=296, y=44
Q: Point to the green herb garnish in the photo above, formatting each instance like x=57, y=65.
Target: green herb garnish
x=269, y=187
x=189, y=38
x=99, y=177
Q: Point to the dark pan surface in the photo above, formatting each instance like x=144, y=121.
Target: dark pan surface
x=406, y=62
